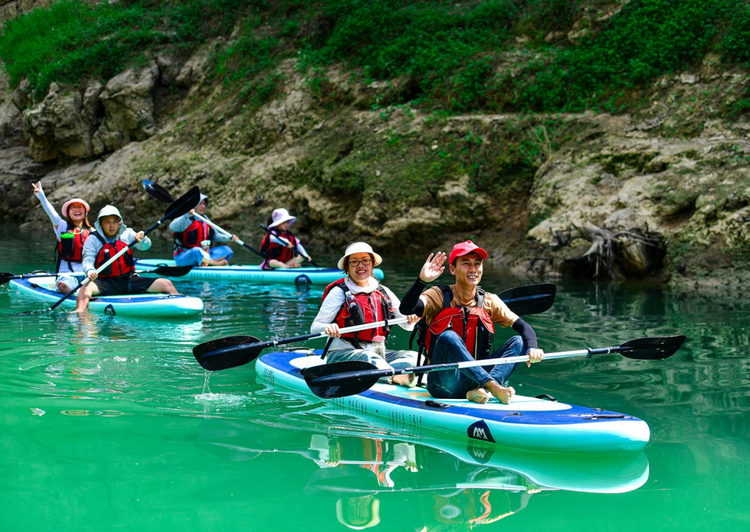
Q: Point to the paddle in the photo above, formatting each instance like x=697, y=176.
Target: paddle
x=342, y=379
x=176, y=209
x=168, y=271
x=234, y=351
x=285, y=242
x=161, y=194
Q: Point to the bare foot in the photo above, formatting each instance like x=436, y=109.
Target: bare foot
x=501, y=393
x=478, y=395
x=408, y=380
x=209, y=262
x=63, y=288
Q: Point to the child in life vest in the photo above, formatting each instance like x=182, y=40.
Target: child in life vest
x=359, y=298
x=110, y=237
x=280, y=246
x=71, y=231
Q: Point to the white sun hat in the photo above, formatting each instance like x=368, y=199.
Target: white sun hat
x=109, y=210
x=358, y=247
x=68, y=203
x=279, y=216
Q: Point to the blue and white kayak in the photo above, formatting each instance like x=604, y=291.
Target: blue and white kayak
x=255, y=274
x=527, y=423
x=139, y=306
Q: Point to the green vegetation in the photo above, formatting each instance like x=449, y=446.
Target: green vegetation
x=447, y=55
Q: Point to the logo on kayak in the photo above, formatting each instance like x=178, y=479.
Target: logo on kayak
x=480, y=431
x=109, y=310
x=302, y=279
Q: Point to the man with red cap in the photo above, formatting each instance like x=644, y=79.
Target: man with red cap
x=459, y=321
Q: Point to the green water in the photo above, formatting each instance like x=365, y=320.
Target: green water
x=108, y=423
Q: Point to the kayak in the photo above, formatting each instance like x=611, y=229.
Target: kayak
x=527, y=423
x=140, y=305
x=232, y=272
x=350, y=458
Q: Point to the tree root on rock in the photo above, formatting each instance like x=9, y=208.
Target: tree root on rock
x=635, y=252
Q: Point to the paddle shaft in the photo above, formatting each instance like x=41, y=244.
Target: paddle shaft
x=225, y=232
x=272, y=343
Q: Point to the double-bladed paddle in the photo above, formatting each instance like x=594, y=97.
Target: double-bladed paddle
x=182, y=205
x=169, y=271
x=285, y=242
x=342, y=379
x=161, y=194
x=234, y=351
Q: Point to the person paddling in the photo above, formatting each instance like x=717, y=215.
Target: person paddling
x=193, y=237
x=71, y=231
x=356, y=299
x=111, y=236
x=280, y=246
x=466, y=308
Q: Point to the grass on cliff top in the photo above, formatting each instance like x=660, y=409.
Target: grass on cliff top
x=450, y=53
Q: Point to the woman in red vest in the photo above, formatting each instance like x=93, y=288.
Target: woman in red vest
x=71, y=230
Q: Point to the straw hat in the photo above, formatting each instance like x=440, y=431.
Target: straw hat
x=68, y=203
x=358, y=247
x=279, y=216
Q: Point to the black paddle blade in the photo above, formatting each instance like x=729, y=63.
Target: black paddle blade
x=6, y=276
x=229, y=352
x=157, y=192
x=182, y=205
x=655, y=348
x=342, y=379
x=532, y=299
x=171, y=271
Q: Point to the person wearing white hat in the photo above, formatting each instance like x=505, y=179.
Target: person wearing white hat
x=193, y=237
x=356, y=299
x=466, y=308
x=71, y=231
x=110, y=237
x=280, y=247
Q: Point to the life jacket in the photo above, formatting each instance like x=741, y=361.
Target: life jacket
x=275, y=250
x=192, y=236
x=362, y=308
x=472, y=324
x=70, y=247
x=124, y=266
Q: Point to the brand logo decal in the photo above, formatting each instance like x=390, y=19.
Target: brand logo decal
x=302, y=279
x=480, y=431
x=109, y=310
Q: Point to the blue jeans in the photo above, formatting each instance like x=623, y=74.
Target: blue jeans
x=194, y=257
x=455, y=383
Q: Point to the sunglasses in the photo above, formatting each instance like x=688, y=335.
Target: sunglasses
x=363, y=262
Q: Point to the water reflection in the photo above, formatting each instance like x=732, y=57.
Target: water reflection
x=453, y=485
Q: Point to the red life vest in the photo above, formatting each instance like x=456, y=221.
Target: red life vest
x=70, y=246
x=275, y=250
x=362, y=308
x=192, y=236
x=472, y=324
x=122, y=267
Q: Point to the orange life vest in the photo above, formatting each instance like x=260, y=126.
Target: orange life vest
x=362, y=308
x=70, y=247
x=472, y=324
x=192, y=236
x=277, y=251
x=122, y=267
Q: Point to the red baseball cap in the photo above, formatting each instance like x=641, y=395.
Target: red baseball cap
x=464, y=248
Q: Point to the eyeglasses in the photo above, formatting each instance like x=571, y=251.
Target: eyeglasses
x=363, y=262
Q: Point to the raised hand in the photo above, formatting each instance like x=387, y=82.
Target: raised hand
x=433, y=267
x=37, y=187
